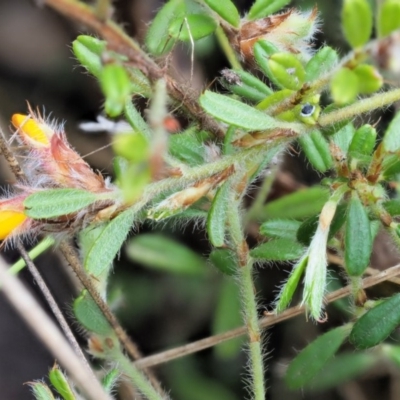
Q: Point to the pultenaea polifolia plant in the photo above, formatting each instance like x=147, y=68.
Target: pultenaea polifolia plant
x=281, y=89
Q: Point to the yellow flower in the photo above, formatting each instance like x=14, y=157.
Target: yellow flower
x=32, y=130
x=9, y=221
x=12, y=216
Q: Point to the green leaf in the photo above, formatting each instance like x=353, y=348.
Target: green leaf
x=216, y=219
x=227, y=316
x=88, y=51
x=307, y=229
x=280, y=228
x=358, y=240
x=287, y=70
x=376, y=324
x=391, y=140
x=164, y=254
x=316, y=148
x=262, y=51
x=309, y=361
x=116, y=87
x=108, y=243
x=134, y=181
x=226, y=10
x=321, y=63
x=41, y=391
x=200, y=26
x=60, y=383
x=388, y=17
x=188, y=146
x=158, y=40
x=363, y=141
x=342, y=368
x=357, y=21
x=298, y=205
x=246, y=85
x=278, y=250
x=132, y=145
x=57, y=202
x=225, y=261
x=344, y=86
x=369, y=79
x=392, y=353
x=287, y=292
x=90, y=316
x=110, y=380
x=392, y=207
x=343, y=137
x=233, y=112
x=263, y=8
x=135, y=120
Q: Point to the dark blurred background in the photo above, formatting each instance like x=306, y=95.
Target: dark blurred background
x=159, y=310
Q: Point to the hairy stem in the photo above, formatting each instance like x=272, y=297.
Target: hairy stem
x=72, y=258
x=245, y=276
x=227, y=48
x=365, y=105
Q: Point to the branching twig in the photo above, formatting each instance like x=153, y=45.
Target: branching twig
x=264, y=322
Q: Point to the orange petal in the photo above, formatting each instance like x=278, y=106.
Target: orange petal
x=30, y=130
x=9, y=221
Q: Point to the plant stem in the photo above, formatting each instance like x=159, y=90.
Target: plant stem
x=136, y=376
x=52, y=304
x=245, y=276
x=258, y=203
x=40, y=248
x=72, y=258
x=227, y=48
x=46, y=330
x=365, y=105
x=103, y=8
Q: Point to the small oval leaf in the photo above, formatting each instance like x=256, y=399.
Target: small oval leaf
x=233, y=112
x=193, y=26
x=107, y=244
x=358, y=240
x=376, y=324
x=316, y=148
x=216, y=219
x=309, y=361
x=280, y=228
x=53, y=203
x=90, y=316
x=357, y=20
x=226, y=10
x=264, y=8
x=278, y=250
